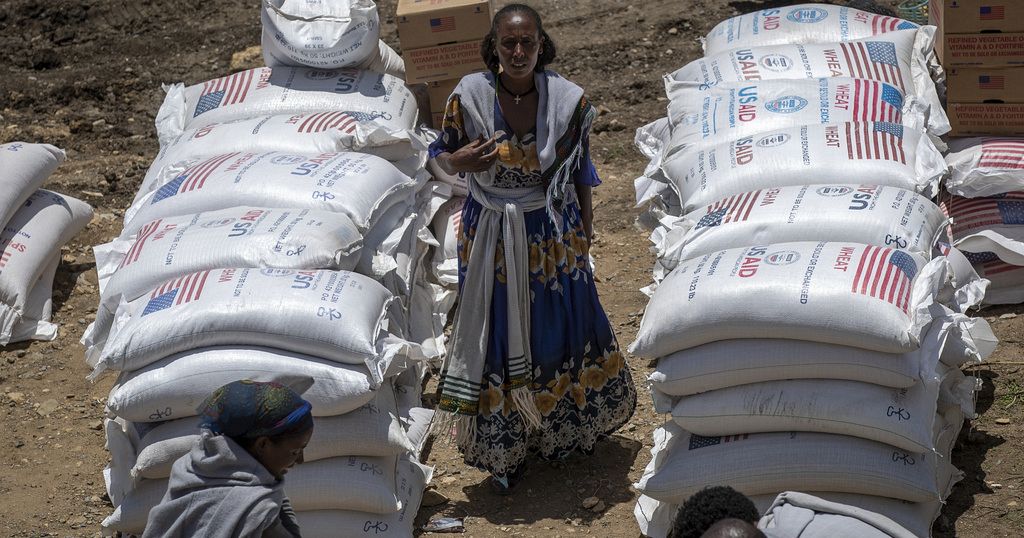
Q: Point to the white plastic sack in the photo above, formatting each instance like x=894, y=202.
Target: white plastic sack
x=882, y=153
x=412, y=480
x=1007, y=280
x=838, y=293
x=985, y=166
x=304, y=134
x=359, y=185
x=459, y=183
x=325, y=35
x=447, y=227
x=355, y=98
x=991, y=224
x=702, y=114
x=761, y=463
x=35, y=319
x=337, y=315
x=173, y=387
x=121, y=446
x=897, y=58
x=799, y=515
x=132, y=513
x=802, y=23
x=868, y=214
x=371, y=430
x=24, y=168
x=45, y=221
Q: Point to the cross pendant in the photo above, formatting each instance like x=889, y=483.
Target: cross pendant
x=517, y=98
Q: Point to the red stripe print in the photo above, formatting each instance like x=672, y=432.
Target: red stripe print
x=145, y=233
x=1007, y=153
x=324, y=121
x=879, y=276
x=740, y=206
x=235, y=87
x=199, y=173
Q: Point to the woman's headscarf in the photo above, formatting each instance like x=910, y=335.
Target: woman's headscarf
x=249, y=409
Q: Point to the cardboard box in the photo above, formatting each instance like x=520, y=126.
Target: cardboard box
x=975, y=16
x=989, y=50
x=425, y=23
x=971, y=119
x=441, y=62
x=985, y=84
x=439, y=91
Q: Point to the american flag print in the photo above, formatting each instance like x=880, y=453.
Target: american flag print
x=699, y=441
x=4, y=258
x=135, y=251
x=970, y=214
x=337, y=119
x=886, y=274
x=881, y=24
x=875, y=60
x=992, y=13
x=442, y=24
x=1005, y=153
x=876, y=101
x=193, y=178
x=882, y=141
x=736, y=208
x=177, y=292
x=228, y=90
x=996, y=267
x=991, y=82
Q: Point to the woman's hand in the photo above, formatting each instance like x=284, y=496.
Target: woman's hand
x=477, y=156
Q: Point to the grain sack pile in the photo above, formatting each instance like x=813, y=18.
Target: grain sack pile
x=34, y=224
x=281, y=234
x=808, y=331
x=985, y=204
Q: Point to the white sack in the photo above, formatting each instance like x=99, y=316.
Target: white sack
x=447, y=227
x=459, y=183
x=313, y=133
x=371, y=430
x=325, y=35
x=805, y=154
x=802, y=23
x=836, y=293
x=868, y=214
x=897, y=58
x=700, y=114
x=121, y=446
x=45, y=221
x=338, y=315
x=412, y=480
x=368, y=100
x=762, y=463
x=35, y=319
x=132, y=513
x=985, y=166
x=990, y=224
x=1007, y=281
x=359, y=185
x=799, y=515
x=24, y=168
x=173, y=387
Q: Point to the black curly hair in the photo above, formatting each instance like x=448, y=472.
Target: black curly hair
x=708, y=506
x=489, y=45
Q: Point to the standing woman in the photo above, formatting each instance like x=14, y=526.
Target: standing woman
x=533, y=365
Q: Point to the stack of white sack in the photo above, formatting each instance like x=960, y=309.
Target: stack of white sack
x=281, y=233
x=34, y=225
x=798, y=313
x=326, y=36
x=986, y=207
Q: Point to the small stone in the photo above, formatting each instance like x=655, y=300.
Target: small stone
x=995, y=485
x=590, y=502
x=97, y=425
x=602, y=110
x=1003, y=421
x=1010, y=315
x=16, y=397
x=1011, y=504
x=47, y=407
x=19, y=443
x=598, y=508
x=449, y=480
x=21, y=353
x=10, y=359
x=673, y=31
x=432, y=497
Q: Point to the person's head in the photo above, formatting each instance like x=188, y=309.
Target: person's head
x=517, y=42
x=709, y=506
x=732, y=528
x=269, y=420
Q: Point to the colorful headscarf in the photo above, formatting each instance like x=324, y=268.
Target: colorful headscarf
x=249, y=409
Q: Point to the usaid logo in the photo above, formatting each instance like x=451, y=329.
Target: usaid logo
x=834, y=190
x=807, y=15
x=786, y=105
x=219, y=223
x=287, y=159
x=782, y=257
x=317, y=74
x=773, y=140
x=777, y=63
x=276, y=272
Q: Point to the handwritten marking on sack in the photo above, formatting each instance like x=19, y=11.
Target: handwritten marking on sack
x=907, y=459
x=376, y=527
x=900, y=413
x=161, y=414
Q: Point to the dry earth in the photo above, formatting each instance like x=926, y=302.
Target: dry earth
x=85, y=75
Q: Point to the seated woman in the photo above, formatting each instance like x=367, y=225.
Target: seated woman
x=230, y=484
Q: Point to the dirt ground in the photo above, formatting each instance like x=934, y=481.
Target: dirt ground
x=85, y=75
